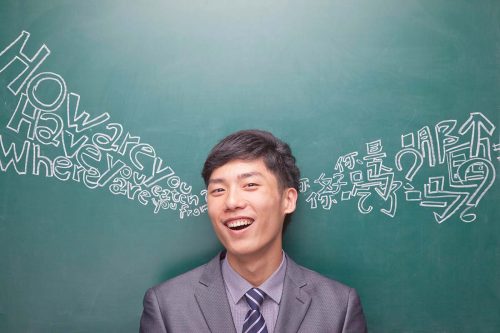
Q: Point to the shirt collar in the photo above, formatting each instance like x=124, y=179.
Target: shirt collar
x=237, y=286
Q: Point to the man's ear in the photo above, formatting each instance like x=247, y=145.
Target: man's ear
x=289, y=200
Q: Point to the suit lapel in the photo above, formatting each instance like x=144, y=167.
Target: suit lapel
x=212, y=299
x=295, y=302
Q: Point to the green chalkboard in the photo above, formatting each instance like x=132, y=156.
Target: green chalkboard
x=108, y=109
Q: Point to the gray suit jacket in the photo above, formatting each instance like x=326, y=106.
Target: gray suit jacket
x=196, y=301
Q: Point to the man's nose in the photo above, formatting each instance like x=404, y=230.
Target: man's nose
x=234, y=199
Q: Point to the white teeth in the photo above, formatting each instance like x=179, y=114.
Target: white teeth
x=238, y=223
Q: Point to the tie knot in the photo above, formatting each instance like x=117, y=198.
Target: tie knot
x=254, y=298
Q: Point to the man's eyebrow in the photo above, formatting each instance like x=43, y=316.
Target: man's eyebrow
x=240, y=176
x=215, y=180
x=249, y=174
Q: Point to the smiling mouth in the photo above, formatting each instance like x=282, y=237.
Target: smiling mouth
x=239, y=224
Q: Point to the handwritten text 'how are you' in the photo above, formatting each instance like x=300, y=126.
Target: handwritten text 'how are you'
x=65, y=142
x=52, y=136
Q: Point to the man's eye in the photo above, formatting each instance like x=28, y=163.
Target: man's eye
x=252, y=185
x=217, y=190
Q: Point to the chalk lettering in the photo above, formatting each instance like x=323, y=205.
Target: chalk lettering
x=14, y=53
x=51, y=135
x=33, y=91
x=13, y=157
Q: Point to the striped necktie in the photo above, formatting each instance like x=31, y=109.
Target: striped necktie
x=254, y=322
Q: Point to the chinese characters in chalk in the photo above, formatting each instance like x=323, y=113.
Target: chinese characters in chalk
x=460, y=157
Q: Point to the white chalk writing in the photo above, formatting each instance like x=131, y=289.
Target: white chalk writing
x=91, y=150
x=55, y=137
x=461, y=155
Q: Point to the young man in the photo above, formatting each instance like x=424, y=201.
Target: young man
x=252, y=184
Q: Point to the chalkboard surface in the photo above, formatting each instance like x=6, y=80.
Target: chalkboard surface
x=108, y=109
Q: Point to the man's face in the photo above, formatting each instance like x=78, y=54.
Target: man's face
x=247, y=208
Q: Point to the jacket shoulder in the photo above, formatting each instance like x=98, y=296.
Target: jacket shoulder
x=334, y=300
x=325, y=287
x=171, y=305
